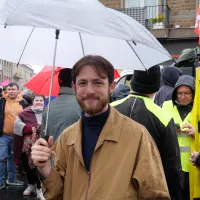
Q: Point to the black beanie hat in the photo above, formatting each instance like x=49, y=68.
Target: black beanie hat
x=146, y=82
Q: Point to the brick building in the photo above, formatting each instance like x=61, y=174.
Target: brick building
x=178, y=31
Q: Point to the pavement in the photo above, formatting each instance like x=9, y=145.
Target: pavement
x=16, y=192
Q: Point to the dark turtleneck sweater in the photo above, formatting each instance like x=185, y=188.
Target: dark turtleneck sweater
x=91, y=129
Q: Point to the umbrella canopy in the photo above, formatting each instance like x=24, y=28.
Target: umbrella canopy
x=85, y=16
x=38, y=47
x=40, y=83
x=88, y=28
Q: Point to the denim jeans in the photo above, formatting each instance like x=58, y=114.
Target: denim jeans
x=6, y=157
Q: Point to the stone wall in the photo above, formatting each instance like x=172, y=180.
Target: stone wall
x=182, y=12
x=115, y=4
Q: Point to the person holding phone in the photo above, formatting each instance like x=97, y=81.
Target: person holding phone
x=180, y=107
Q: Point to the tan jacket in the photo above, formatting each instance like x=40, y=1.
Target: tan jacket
x=125, y=165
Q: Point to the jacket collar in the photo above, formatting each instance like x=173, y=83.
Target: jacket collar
x=66, y=90
x=110, y=132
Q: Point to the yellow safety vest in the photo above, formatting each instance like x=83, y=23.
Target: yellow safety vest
x=183, y=139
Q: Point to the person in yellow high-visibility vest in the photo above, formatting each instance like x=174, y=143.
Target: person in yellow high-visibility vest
x=180, y=107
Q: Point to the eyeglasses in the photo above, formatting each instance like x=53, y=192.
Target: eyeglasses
x=183, y=93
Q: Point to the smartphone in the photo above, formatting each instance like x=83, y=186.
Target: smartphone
x=177, y=126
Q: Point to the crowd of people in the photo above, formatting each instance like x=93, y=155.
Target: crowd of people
x=105, y=142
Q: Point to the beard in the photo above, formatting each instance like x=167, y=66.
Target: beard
x=96, y=107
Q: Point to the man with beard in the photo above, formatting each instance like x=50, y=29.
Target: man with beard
x=104, y=155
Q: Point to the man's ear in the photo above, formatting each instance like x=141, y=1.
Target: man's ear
x=73, y=86
x=112, y=86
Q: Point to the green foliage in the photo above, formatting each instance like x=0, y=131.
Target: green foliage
x=159, y=18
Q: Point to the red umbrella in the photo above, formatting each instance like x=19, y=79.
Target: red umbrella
x=40, y=83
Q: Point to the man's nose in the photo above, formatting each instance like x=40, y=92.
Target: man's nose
x=90, y=88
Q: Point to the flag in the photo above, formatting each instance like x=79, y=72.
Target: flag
x=116, y=74
x=195, y=143
x=6, y=82
x=197, y=24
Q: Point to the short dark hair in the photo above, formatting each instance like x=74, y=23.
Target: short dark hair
x=102, y=66
x=37, y=95
x=12, y=84
x=64, y=77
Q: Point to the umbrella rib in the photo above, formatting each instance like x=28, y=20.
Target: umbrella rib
x=136, y=53
x=81, y=44
x=13, y=11
x=25, y=46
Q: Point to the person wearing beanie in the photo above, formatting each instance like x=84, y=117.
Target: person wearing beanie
x=180, y=108
x=120, y=92
x=140, y=107
x=170, y=76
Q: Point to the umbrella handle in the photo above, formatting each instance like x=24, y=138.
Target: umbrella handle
x=45, y=137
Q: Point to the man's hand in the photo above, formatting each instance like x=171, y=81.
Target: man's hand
x=189, y=129
x=193, y=157
x=41, y=154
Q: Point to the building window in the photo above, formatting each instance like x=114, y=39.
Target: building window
x=140, y=3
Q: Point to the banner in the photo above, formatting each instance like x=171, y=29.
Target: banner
x=6, y=82
x=195, y=145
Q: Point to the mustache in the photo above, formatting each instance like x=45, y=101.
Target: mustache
x=90, y=97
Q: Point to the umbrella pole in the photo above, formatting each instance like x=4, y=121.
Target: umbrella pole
x=51, y=83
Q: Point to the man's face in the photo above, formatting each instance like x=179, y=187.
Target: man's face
x=184, y=95
x=12, y=92
x=92, y=91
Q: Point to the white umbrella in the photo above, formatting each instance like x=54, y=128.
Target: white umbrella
x=39, y=48
x=85, y=16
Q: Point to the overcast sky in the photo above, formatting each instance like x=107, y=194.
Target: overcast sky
x=36, y=68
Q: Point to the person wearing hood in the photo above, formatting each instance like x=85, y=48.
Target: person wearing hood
x=11, y=104
x=140, y=107
x=180, y=107
x=27, y=131
x=170, y=76
x=120, y=92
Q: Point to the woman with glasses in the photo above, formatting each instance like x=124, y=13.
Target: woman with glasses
x=180, y=107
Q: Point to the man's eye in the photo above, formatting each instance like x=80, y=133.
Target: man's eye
x=98, y=83
x=82, y=83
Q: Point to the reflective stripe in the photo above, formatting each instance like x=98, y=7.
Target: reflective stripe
x=184, y=149
x=183, y=134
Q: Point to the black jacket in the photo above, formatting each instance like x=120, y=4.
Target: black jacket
x=170, y=76
x=161, y=127
x=24, y=104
